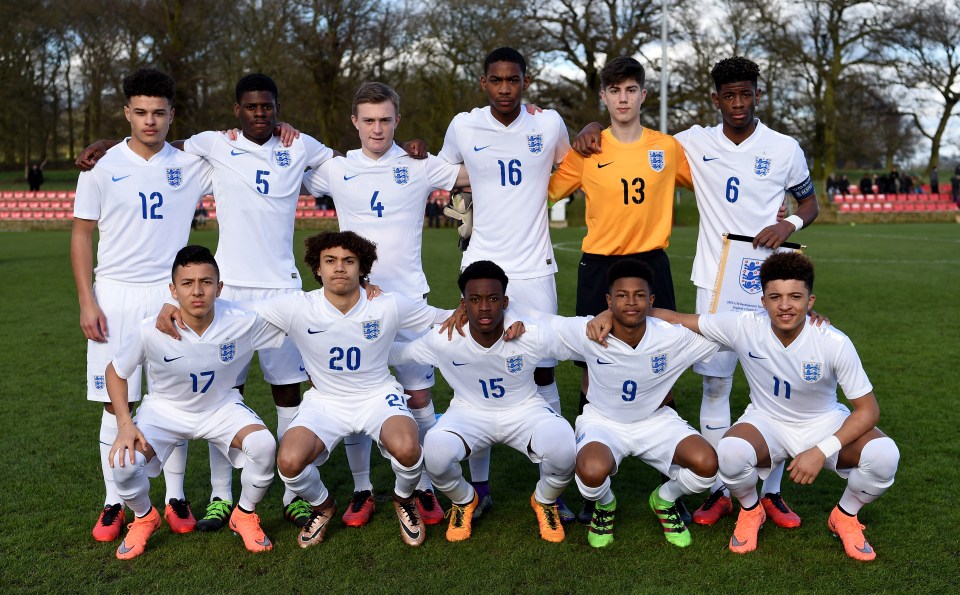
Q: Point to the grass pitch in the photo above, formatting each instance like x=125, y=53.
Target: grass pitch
x=891, y=288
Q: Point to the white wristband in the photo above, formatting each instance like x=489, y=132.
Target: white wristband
x=797, y=221
x=829, y=446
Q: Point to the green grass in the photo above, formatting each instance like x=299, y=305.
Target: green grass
x=891, y=288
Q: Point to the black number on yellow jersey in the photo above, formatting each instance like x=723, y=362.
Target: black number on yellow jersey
x=633, y=191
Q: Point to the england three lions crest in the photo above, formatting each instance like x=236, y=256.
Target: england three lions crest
x=228, y=351
x=811, y=371
x=658, y=363
x=100, y=382
x=515, y=364
x=370, y=329
x=174, y=176
x=401, y=175
x=535, y=143
x=761, y=166
x=750, y=275
x=657, y=161
x=283, y=158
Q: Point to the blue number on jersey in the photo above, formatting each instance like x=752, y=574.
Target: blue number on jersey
x=494, y=389
x=776, y=388
x=352, y=356
x=375, y=205
x=262, y=179
x=629, y=390
x=196, y=381
x=733, y=189
x=148, y=207
x=510, y=172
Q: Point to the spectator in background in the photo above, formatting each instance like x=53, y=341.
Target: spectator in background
x=35, y=176
x=866, y=184
x=883, y=183
x=433, y=213
x=895, y=185
x=844, y=185
x=832, y=185
x=934, y=181
x=955, y=186
x=199, y=216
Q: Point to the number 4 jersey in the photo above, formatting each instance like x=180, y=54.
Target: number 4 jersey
x=143, y=209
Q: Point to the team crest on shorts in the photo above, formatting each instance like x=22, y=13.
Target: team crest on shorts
x=370, y=329
x=761, y=166
x=99, y=382
x=658, y=363
x=812, y=371
x=401, y=175
x=174, y=176
x=282, y=158
x=228, y=351
x=515, y=364
x=535, y=143
x=750, y=275
x=656, y=161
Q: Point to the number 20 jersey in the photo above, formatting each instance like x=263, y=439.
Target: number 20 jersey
x=509, y=169
x=143, y=209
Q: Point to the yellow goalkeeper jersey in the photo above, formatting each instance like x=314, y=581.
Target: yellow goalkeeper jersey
x=629, y=189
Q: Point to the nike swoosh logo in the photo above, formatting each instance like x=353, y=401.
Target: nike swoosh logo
x=410, y=533
x=755, y=356
x=869, y=494
x=308, y=538
x=123, y=549
x=736, y=542
x=456, y=364
x=264, y=543
x=866, y=549
x=310, y=331
x=235, y=152
x=347, y=178
x=430, y=375
x=172, y=359
x=603, y=363
x=478, y=149
x=116, y=179
x=709, y=427
x=706, y=159
x=603, y=165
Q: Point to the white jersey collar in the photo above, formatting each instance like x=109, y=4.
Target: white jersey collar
x=518, y=122
x=392, y=153
x=748, y=142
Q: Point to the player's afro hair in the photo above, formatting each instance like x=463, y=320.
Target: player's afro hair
x=505, y=55
x=630, y=268
x=482, y=269
x=256, y=82
x=620, y=69
x=193, y=254
x=787, y=266
x=374, y=92
x=735, y=70
x=365, y=250
x=148, y=82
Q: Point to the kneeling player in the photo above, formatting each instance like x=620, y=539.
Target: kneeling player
x=495, y=402
x=191, y=397
x=625, y=413
x=793, y=370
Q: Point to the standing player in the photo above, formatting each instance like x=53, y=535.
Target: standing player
x=380, y=192
x=140, y=201
x=192, y=396
x=509, y=155
x=626, y=413
x=495, y=402
x=793, y=370
x=257, y=180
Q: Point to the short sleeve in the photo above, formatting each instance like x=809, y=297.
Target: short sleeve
x=683, y=176
x=450, y=152
x=696, y=348
x=266, y=335
x=86, y=205
x=131, y=352
x=722, y=328
x=441, y=174
x=798, y=178
x=278, y=311
x=417, y=315
x=567, y=178
x=550, y=343
x=206, y=178
x=563, y=140
x=316, y=152
x=317, y=180
x=850, y=373
x=418, y=351
x=201, y=144
x=572, y=332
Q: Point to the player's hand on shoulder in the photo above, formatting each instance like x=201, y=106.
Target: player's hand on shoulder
x=93, y=323
x=232, y=133
x=514, y=331
x=599, y=327
x=533, y=108
x=456, y=321
x=416, y=148
x=773, y=236
x=805, y=467
x=169, y=319
x=287, y=133
x=588, y=141
x=818, y=319
x=89, y=156
x=371, y=289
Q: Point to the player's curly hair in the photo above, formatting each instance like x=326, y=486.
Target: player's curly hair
x=148, y=82
x=374, y=92
x=787, y=266
x=620, y=69
x=630, y=267
x=256, y=82
x=735, y=70
x=365, y=250
x=482, y=269
x=193, y=254
x=505, y=55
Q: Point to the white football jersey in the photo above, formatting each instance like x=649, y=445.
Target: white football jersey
x=384, y=201
x=739, y=188
x=257, y=187
x=628, y=384
x=346, y=354
x=143, y=209
x=500, y=377
x=198, y=372
x=796, y=383
x=509, y=169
